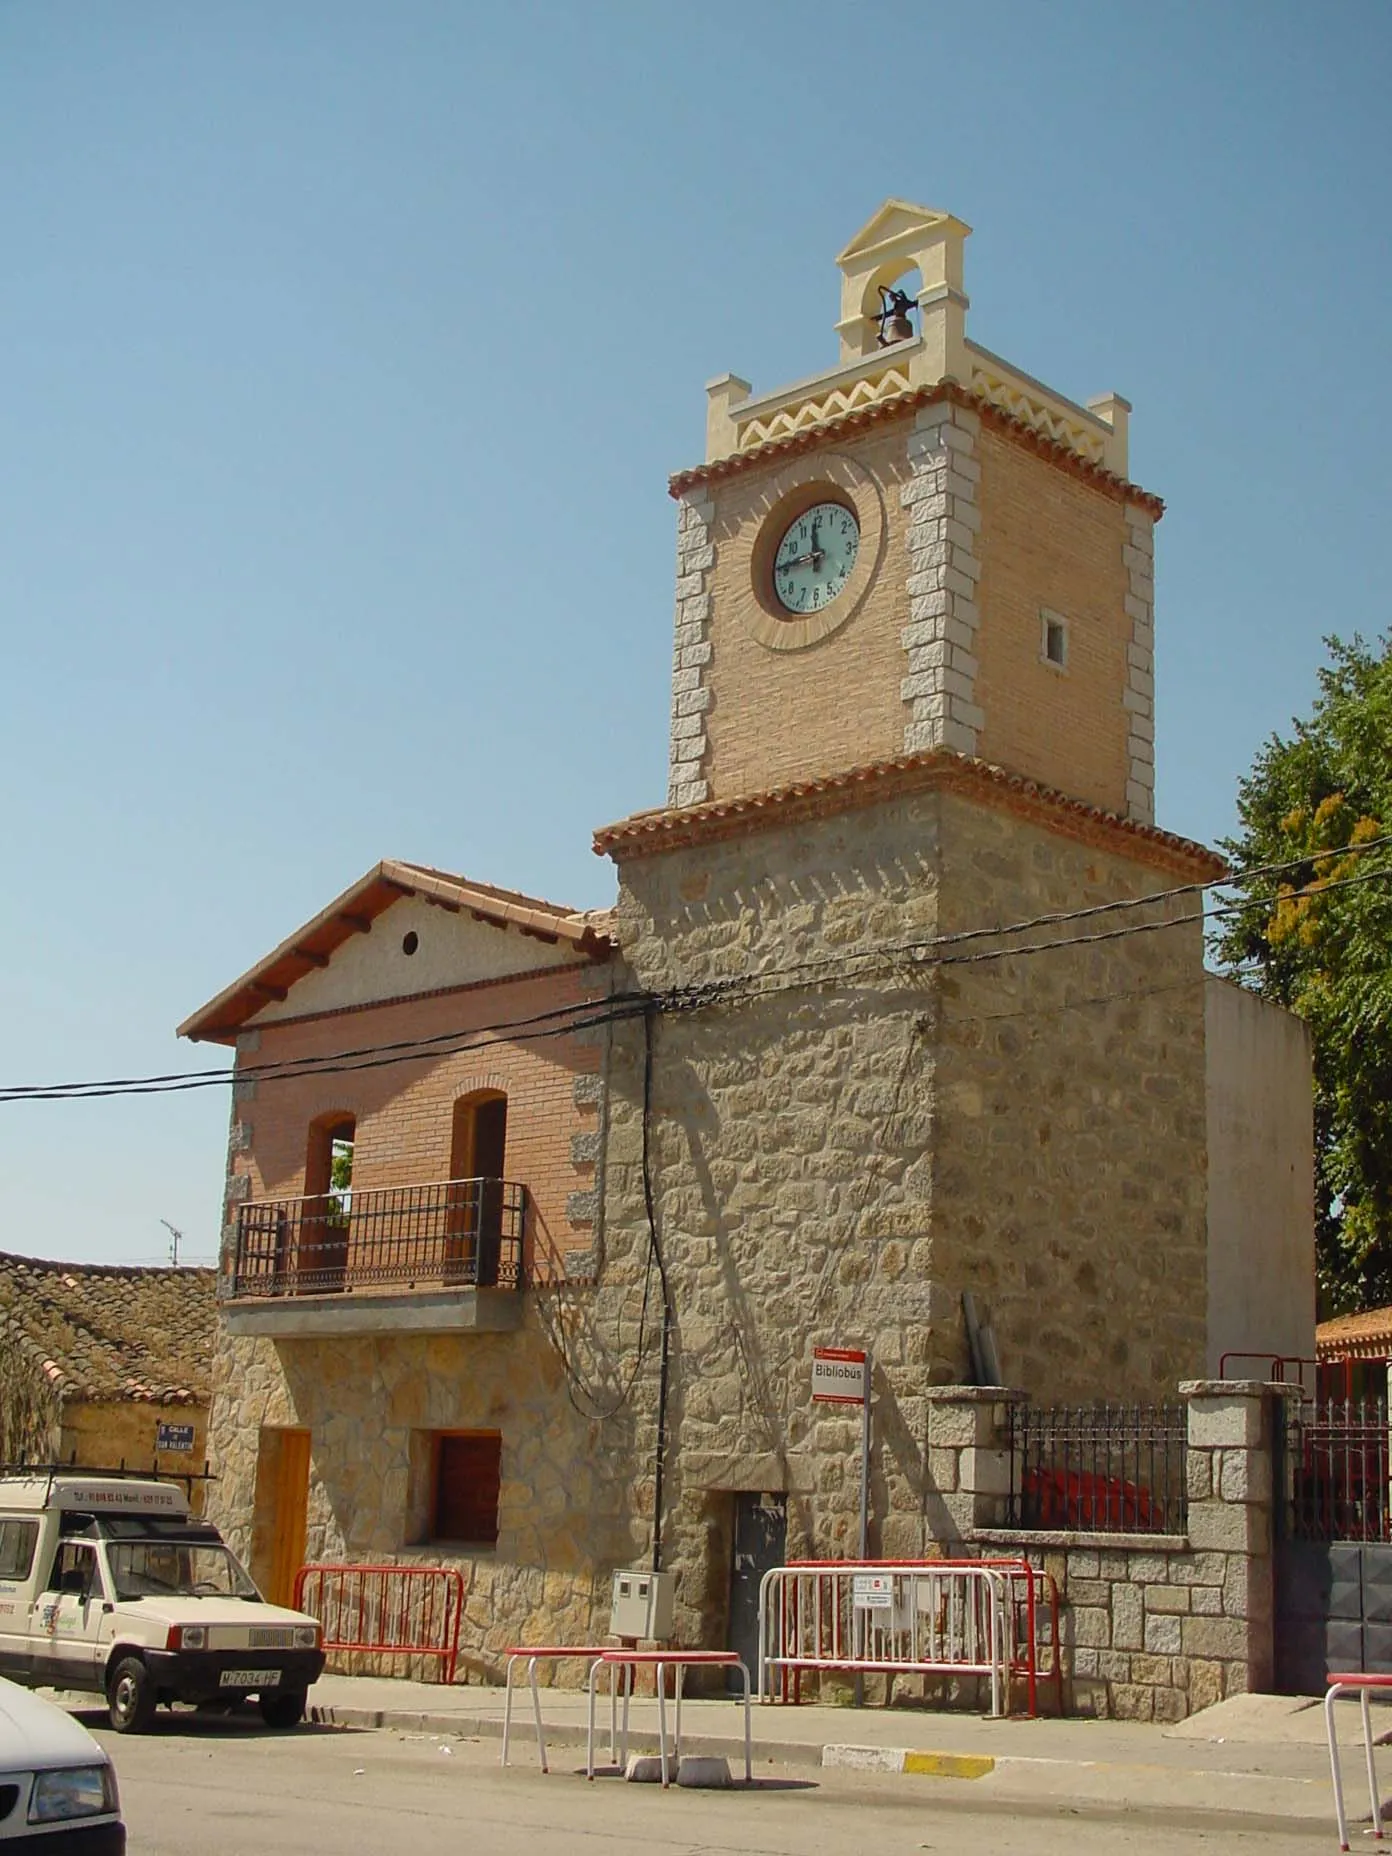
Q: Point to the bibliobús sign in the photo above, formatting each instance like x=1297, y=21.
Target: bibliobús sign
x=838, y=1375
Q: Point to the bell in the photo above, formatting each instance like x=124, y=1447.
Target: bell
x=894, y=318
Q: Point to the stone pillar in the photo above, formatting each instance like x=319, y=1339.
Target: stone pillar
x=1232, y=1436
x=968, y=1483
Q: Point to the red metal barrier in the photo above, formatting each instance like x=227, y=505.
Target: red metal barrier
x=386, y=1610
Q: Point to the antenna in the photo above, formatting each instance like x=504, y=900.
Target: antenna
x=176, y=1237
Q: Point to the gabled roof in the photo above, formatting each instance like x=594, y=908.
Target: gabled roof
x=106, y=1332
x=895, y=222
x=354, y=912
x=1364, y=1336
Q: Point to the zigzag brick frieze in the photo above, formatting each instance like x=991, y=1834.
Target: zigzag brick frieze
x=899, y=406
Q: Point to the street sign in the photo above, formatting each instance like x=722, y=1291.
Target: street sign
x=174, y=1437
x=838, y=1375
x=873, y=1591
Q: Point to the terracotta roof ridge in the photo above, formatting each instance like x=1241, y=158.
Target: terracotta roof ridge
x=106, y=1269
x=657, y=825
x=896, y=406
x=500, y=892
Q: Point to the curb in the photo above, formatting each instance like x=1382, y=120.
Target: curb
x=909, y=1759
x=564, y=1733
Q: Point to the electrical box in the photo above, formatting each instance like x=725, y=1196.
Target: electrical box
x=642, y=1604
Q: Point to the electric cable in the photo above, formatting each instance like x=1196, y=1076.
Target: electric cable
x=561, y=1021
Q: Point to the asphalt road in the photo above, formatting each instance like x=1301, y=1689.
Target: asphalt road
x=231, y=1788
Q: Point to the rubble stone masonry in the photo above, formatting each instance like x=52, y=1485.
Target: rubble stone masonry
x=1154, y=1627
x=839, y=1158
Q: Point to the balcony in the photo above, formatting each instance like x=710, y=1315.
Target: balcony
x=437, y=1258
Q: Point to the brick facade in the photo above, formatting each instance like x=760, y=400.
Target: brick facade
x=977, y=535
x=404, y=1111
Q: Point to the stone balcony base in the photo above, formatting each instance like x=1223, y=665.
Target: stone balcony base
x=430, y=1311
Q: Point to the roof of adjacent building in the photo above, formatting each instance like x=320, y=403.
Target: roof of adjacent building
x=1364, y=1336
x=108, y=1332
x=354, y=912
x=646, y=834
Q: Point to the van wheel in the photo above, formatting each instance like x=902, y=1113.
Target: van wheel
x=131, y=1696
x=285, y=1710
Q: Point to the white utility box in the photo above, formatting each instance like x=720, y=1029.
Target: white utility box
x=642, y=1604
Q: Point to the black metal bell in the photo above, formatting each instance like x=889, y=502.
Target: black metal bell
x=894, y=317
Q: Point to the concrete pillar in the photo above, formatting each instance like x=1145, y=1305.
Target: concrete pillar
x=1232, y=1438
x=968, y=1479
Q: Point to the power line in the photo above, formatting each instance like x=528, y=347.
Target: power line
x=925, y=952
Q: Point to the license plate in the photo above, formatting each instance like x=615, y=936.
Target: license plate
x=249, y=1678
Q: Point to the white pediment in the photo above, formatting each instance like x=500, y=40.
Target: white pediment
x=450, y=950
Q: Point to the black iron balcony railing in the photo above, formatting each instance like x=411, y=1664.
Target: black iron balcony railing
x=454, y=1233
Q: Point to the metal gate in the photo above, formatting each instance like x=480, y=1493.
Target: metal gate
x=1333, y=1544
x=760, y=1543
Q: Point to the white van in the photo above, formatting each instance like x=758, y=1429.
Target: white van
x=108, y=1583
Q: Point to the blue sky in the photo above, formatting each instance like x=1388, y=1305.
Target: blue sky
x=345, y=349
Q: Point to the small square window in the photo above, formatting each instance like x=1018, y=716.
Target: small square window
x=1053, y=640
x=468, y=1477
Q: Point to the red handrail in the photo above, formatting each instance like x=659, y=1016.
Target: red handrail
x=1277, y=1361
x=386, y=1610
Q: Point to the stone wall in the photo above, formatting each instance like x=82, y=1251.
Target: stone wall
x=1154, y=1627
x=108, y=1432
x=836, y=1163
x=369, y=1404
x=1070, y=1127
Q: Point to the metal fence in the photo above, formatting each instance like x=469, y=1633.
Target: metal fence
x=454, y=1232
x=1111, y=1469
x=916, y=1617
x=412, y=1611
x=1335, y=1471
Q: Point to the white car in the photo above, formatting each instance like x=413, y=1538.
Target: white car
x=57, y=1786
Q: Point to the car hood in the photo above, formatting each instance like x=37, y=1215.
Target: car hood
x=36, y=1734
x=186, y=1609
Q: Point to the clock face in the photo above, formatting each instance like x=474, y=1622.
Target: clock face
x=815, y=558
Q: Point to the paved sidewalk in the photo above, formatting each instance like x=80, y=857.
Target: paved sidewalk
x=1255, y=1756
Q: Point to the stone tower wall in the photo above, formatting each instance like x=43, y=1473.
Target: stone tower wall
x=837, y=1163
x=1070, y=1184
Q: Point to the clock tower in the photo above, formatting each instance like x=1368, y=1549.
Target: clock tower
x=921, y=550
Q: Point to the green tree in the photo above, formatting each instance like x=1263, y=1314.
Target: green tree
x=1318, y=938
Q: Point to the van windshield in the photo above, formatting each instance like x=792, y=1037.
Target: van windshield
x=154, y=1568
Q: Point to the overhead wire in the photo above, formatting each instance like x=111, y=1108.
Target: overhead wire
x=925, y=951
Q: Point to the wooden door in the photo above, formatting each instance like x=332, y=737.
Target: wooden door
x=289, y=1493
